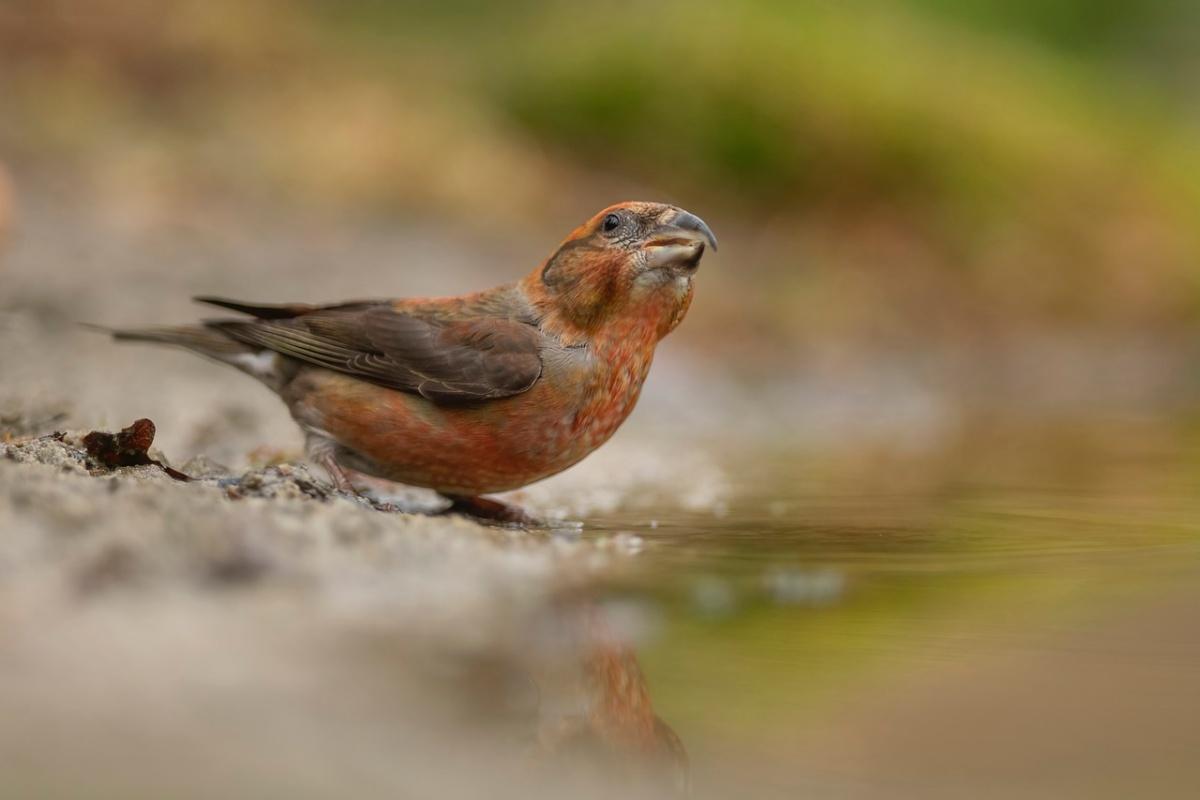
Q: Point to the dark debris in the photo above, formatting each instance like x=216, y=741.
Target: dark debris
x=127, y=448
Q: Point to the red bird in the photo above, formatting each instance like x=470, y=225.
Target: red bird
x=480, y=393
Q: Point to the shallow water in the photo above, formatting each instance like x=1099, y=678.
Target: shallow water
x=1021, y=617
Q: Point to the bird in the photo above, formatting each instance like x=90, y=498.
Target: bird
x=475, y=394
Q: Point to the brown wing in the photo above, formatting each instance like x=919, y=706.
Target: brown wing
x=443, y=360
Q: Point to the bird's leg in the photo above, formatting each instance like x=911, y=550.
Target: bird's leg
x=485, y=509
x=341, y=479
x=321, y=451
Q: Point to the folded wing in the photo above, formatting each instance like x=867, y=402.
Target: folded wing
x=444, y=360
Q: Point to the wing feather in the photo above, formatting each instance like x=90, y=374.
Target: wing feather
x=443, y=360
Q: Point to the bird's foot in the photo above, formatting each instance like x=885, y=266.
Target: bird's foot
x=493, y=512
x=343, y=483
x=337, y=473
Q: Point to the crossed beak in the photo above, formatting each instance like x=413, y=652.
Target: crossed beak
x=679, y=241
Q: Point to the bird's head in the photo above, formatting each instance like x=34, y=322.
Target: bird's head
x=631, y=261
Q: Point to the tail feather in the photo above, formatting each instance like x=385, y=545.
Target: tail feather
x=204, y=340
x=264, y=365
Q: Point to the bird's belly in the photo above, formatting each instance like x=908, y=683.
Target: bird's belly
x=479, y=448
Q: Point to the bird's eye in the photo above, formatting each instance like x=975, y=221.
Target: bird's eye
x=611, y=223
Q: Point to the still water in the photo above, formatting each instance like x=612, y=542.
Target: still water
x=1016, y=617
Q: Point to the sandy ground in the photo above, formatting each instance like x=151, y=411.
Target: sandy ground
x=251, y=633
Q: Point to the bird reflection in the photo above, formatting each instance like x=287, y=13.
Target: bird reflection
x=596, y=717
x=563, y=698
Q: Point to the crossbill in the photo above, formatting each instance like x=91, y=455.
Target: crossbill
x=478, y=393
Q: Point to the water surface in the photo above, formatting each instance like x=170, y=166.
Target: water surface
x=1016, y=617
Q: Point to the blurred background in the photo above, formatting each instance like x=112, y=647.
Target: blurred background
x=985, y=202
x=937, y=392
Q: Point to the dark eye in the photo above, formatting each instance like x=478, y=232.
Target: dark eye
x=611, y=223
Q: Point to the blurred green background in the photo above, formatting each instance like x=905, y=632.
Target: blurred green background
x=951, y=183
